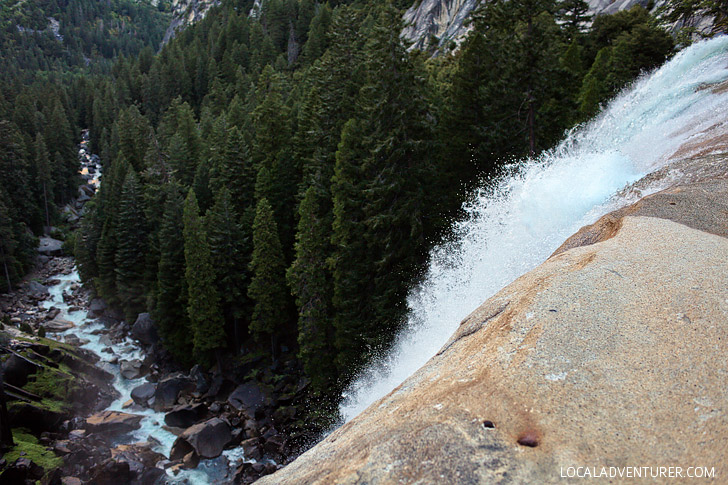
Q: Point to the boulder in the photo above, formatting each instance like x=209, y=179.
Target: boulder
x=36, y=418
x=208, y=439
x=50, y=247
x=169, y=389
x=180, y=448
x=611, y=353
x=252, y=449
x=111, y=472
x=113, y=422
x=191, y=460
x=139, y=456
x=247, y=397
x=106, y=341
x=132, y=369
x=96, y=308
x=185, y=416
x=58, y=325
x=17, y=369
x=36, y=289
x=142, y=394
x=153, y=476
x=200, y=378
x=144, y=330
x=21, y=470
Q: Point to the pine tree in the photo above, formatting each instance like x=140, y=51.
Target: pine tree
x=59, y=140
x=593, y=89
x=318, y=40
x=227, y=249
x=201, y=185
x=268, y=286
x=45, y=180
x=310, y=280
x=134, y=136
x=170, y=311
x=109, y=197
x=203, y=303
x=350, y=259
x=129, y=259
x=271, y=152
x=234, y=170
x=87, y=241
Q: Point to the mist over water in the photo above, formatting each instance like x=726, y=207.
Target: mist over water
x=514, y=223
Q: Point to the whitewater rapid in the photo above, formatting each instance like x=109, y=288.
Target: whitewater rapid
x=515, y=222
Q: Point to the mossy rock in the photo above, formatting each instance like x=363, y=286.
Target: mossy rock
x=37, y=453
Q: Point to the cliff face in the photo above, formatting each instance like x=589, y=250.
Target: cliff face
x=612, y=353
x=443, y=21
x=440, y=21
x=185, y=13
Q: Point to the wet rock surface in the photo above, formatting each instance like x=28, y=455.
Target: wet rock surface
x=112, y=422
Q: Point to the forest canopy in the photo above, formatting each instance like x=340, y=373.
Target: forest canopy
x=273, y=184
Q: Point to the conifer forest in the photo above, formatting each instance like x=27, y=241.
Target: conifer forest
x=277, y=173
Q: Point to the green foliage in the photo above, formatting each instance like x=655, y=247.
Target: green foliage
x=203, y=300
x=129, y=258
x=628, y=44
x=89, y=32
x=311, y=283
x=228, y=245
x=170, y=312
x=267, y=286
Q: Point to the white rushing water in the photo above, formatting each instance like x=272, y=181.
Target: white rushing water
x=516, y=222
x=91, y=331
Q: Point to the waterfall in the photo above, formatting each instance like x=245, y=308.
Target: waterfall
x=515, y=222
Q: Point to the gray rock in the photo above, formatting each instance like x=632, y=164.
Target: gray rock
x=17, y=369
x=200, y=378
x=185, y=416
x=247, y=397
x=209, y=438
x=50, y=247
x=144, y=330
x=112, y=422
x=251, y=448
x=142, y=394
x=58, y=325
x=132, y=369
x=139, y=456
x=96, y=308
x=106, y=340
x=441, y=19
x=168, y=390
x=36, y=289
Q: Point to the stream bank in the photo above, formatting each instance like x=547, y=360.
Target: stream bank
x=130, y=416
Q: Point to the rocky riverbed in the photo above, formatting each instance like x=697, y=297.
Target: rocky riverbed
x=118, y=410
